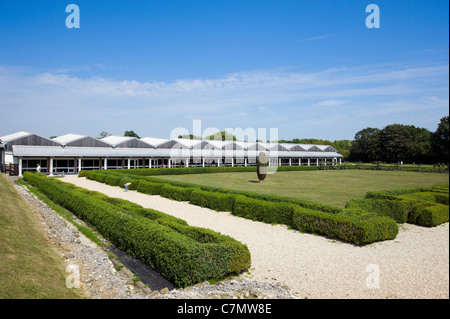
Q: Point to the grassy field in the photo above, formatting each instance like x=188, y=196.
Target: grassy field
x=29, y=268
x=328, y=187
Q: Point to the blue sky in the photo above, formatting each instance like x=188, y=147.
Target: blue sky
x=311, y=69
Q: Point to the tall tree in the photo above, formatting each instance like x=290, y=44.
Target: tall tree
x=360, y=150
x=441, y=141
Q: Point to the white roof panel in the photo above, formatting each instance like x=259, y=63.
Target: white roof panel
x=68, y=138
x=14, y=136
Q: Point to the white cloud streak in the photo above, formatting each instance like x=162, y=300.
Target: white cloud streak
x=363, y=88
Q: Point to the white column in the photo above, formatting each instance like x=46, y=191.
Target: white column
x=317, y=162
x=340, y=160
x=232, y=162
x=187, y=162
x=150, y=162
x=218, y=162
x=245, y=161
x=299, y=162
x=203, y=162
x=20, y=167
x=129, y=163
x=51, y=167
x=79, y=165
x=105, y=163
x=290, y=161
x=309, y=162
x=279, y=161
x=169, y=163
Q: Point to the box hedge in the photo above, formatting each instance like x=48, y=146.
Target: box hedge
x=213, y=200
x=383, y=207
x=176, y=193
x=351, y=225
x=183, y=254
x=424, y=206
x=263, y=211
x=280, y=210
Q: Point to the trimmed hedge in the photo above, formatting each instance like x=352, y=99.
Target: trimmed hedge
x=213, y=200
x=265, y=208
x=428, y=214
x=263, y=211
x=206, y=170
x=383, y=207
x=147, y=187
x=177, y=193
x=183, y=254
x=352, y=225
x=423, y=206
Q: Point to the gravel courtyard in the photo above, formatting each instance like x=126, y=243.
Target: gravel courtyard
x=413, y=265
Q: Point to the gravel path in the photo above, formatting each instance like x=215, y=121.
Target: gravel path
x=414, y=265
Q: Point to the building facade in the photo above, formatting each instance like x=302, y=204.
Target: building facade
x=72, y=153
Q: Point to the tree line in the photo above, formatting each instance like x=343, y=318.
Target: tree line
x=393, y=144
x=402, y=143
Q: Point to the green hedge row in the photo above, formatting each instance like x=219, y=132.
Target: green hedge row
x=206, y=170
x=383, y=207
x=303, y=215
x=421, y=206
x=213, y=200
x=183, y=254
x=148, y=179
x=352, y=225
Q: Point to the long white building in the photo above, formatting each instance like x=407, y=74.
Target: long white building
x=72, y=153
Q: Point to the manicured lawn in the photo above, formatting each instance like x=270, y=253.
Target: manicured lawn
x=29, y=268
x=328, y=187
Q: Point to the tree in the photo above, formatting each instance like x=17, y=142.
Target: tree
x=131, y=133
x=440, y=141
x=221, y=136
x=360, y=148
x=393, y=144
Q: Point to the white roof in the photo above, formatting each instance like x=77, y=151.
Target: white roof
x=68, y=138
x=14, y=136
x=114, y=140
x=219, y=147
x=187, y=142
x=154, y=141
x=218, y=144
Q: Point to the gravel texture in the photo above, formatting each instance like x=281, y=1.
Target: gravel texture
x=413, y=265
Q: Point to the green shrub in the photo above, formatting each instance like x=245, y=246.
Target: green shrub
x=183, y=254
x=425, y=206
x=213, y=200
x=113, y=180
x=264, y=211
x=148, y=187
x=428, y=214
x=352, y=225
x=383, y=207
x=176, y=193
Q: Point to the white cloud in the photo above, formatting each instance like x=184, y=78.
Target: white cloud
x=330, y=103
x=275, y=95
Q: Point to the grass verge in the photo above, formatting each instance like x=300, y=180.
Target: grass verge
x=29, y=267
